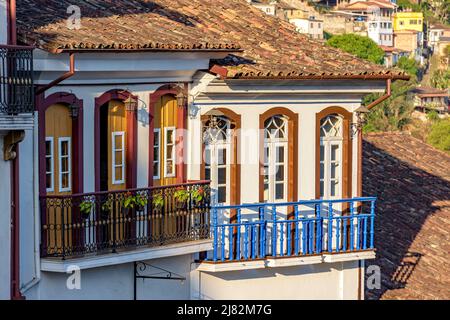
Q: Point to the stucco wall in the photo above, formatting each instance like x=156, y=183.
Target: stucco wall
x=5, y=223
x=323, y=281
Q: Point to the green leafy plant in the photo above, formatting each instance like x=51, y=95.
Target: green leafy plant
x=158, y=201
x=86, y=208
x=181, y=195
x=139, y=201
x=198, y=194
x=107, y=205
x=360, y=46
x=439, y=136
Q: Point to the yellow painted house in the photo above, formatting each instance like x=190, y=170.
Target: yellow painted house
x=408, y=21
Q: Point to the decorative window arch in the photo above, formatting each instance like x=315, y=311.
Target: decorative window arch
x=276, y=139
x=278, y=132
x=225, y=133
x=76, y=148
x=333, y=153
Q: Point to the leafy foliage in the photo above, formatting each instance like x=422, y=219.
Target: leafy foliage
x=439, y=136
x=362, y=47
x=409, y=65
x=440, y=79
x=394, y=113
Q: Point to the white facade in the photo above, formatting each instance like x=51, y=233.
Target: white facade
x=112, y=276
x=3, y=22
x=312, y=27
x=381, y=32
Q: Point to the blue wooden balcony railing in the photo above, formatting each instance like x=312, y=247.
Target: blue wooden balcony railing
x=312, y=227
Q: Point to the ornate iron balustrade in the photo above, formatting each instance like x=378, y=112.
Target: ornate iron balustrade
x=16, y=79
x=78, y=224
x=313, y=227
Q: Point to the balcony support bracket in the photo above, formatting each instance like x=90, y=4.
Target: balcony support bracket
x=11, y=140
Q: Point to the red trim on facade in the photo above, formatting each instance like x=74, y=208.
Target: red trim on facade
x=131, y=140
x=181, y=124
x=77, y=137
x=15, y=229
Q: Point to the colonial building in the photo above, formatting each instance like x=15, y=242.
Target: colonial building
x=191, y=151
x=431, y=99
x=378, y=16
x=405, y=21
x=435, y=32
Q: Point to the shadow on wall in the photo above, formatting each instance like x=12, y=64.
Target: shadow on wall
x=407, y=196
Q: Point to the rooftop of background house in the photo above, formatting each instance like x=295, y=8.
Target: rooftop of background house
x=363, y=5
x=424, y=92
x=272, y=48
x=412, y=229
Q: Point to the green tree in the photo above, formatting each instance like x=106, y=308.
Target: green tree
x=440, y=79
x=394, y=113
x=439, y=136
x=362, y=47
x=409, y=65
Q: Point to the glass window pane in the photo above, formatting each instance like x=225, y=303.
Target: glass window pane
x=280, y=154
x=222, y=175
x=207, y=157
x=118, y=142
x=169, y=153
x=169, y=167
x=321, y=188
x=322, y=171
x=48, y=164
x=207, y=174
x=334, y=168
x=279, y=191
x=64, y=148
x=222, y=194
x=118, y=173
x=48, y=148
x=65, y=180
x=279, y=173
x=334, y=152
x=222, y=157
x=156, y=138
x=334, y=186
x=170, y=136
x=155, y=169
x=266, y=154
x=322, y=153
x=118, y=158
x=64, y=165
x=48, y=182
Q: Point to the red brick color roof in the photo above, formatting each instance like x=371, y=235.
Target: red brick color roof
x=412, y=229
x=271, y=47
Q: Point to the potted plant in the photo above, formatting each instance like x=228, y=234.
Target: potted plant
x=158, y=201
x=106, y=208
x=86, y=208
x=198, y=194
x=181, y=197
x=140, y=201
x=128, y=203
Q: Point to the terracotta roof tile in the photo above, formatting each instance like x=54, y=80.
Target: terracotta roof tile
x=271, y=47
x=412, y=228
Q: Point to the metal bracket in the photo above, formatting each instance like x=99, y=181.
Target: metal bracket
x=159, y=273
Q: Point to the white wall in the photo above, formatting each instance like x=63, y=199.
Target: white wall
x=3, y=23
x=5, y=224
x=321, y=281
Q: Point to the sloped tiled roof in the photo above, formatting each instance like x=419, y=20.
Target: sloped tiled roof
x=271, y=48
x=412, y=228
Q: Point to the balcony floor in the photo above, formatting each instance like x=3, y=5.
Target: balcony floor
x=125, y=256
x=274, y=262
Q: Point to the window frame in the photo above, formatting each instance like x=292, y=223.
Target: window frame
x=157, y=150
x=173, y=156
x=69, y=164
x=52, y=163
x=114, y=181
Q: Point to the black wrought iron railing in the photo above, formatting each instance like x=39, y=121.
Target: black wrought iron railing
x=16, y=79
x=74, y=225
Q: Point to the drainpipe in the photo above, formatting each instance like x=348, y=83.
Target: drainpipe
x=359, y=186
x=65, y=76
x=12, y=30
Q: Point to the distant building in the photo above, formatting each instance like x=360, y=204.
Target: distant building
x=267, y=6
x=443, y=43
x=407, y=21
x=435, y=32
x=392, y=54
x=303, y=21
x=429, y=99
x=407, y=40
x=378, y=16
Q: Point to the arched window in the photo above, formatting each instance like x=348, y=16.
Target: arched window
x=275, y=158
x=217, y=139
x=331, y=145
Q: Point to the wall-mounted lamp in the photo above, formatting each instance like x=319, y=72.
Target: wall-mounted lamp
x=361, y=120
x=74, y=110
x=130, y=103
x=181, y=99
